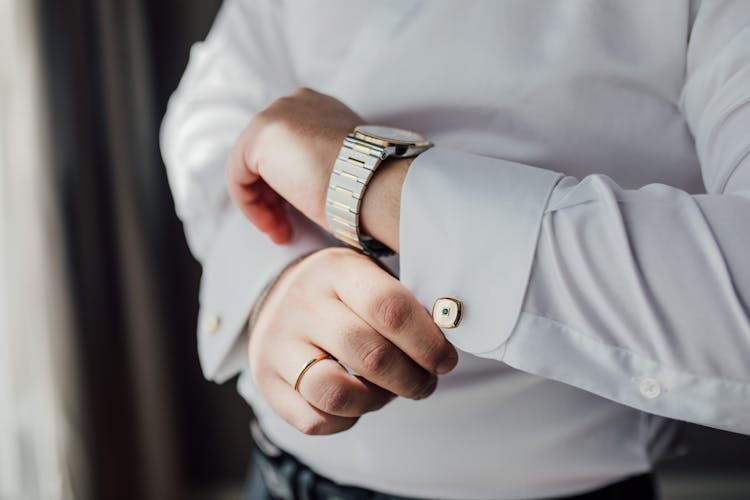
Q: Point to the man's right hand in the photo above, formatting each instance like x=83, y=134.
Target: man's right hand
x=340, y=302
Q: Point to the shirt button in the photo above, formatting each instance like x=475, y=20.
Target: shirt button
x=650, y=388
x=446, y=312
x=213, y=322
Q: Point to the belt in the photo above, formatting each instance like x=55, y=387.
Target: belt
x=286, y=478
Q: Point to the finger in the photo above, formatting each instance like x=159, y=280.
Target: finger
x=260, y=204
x=329, y=387
x=239, y=178
x=292, y=407
x=278, y=388
x=283, y=230
x=356, y=344
x=264, y=208
x=388, y=307
x=270, y=220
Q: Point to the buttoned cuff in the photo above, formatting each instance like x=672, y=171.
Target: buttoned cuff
x=241, y=261
x=469, y=227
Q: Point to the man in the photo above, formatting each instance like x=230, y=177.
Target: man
x=584, y=311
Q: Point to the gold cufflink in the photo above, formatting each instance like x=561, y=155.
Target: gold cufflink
x=446, y=312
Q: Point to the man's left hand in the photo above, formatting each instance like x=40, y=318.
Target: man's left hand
x=286, y=154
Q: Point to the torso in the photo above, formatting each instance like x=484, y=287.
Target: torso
x=577, y=87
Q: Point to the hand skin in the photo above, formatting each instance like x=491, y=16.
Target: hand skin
x=286, y=154
x=380, y=213
x=340, y=302
x=336, y=300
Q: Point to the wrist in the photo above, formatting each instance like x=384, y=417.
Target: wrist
x=371, y=165
x=381, y=203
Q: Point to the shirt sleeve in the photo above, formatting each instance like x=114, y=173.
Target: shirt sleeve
x=238, y=70
x=641, y=296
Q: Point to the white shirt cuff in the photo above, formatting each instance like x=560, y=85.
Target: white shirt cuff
x=469, y=228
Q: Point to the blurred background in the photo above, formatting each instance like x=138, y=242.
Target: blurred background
x=101, y=395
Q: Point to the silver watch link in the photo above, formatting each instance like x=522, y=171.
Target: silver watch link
x=360, y=156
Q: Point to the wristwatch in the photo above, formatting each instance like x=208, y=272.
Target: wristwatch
x=360, y=156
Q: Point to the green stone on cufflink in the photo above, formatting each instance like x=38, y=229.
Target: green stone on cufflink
x=446, y=312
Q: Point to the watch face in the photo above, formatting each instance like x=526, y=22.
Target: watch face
x=390, y=134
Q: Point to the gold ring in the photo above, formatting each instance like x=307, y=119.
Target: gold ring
x=308, y=365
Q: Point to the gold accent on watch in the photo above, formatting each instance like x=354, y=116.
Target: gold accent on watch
x=360, y=156
x=384, y=143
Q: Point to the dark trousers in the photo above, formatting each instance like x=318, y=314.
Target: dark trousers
x=285, y=478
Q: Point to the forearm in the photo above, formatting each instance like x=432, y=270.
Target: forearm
x=645, y=293
x=637, y=295
x=381, y=205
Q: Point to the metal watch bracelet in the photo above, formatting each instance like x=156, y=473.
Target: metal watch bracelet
x=354, y=167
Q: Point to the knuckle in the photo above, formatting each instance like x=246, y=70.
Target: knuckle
x=312, y=425
x=336, y=398
x=302, y=91
x=264, y=126
x=331, y=259
x=393, y=311
x=272, y=118
x=324, y=268
x=330, y=255
x=284, y=99
x=263, y=118
x=346, y=424
x=377, y=358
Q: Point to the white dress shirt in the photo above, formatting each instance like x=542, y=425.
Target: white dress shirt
x=588, y=200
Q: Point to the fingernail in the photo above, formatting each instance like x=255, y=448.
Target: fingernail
x=447, y=364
